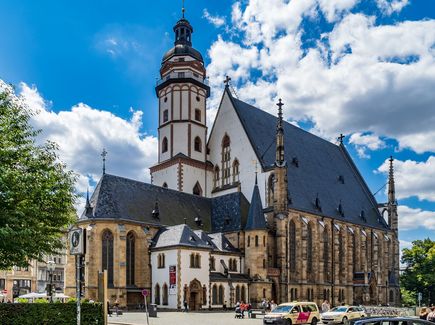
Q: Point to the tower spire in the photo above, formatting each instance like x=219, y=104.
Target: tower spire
x=279, y=161
x=391, y=185
x=88, y=207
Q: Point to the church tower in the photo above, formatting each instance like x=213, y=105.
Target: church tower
x=182, y=92
x=280, y=211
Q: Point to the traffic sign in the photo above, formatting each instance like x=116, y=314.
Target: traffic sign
x=145, y=292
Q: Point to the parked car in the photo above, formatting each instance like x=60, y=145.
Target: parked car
x=389, y=321
x=341, y=314
x=292, y=313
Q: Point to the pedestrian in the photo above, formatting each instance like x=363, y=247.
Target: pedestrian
x=116, y=307
x=431, y=315
x=264, y=305
x=325, y=306
x=242, y=309
x=268, y=305
x=225, y=305
x=273, y=305
x=424, y=313
x=249, y=309
x=185, y=306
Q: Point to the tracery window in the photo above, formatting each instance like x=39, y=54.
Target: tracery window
x=107, y=255
x=226, y=158
x=326, y=253
x=214, y=295
x=309, y=248
x=221, y=295
x=130, y=253
x=292, y=245
x=236, y=171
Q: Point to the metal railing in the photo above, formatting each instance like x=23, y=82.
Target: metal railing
x=181, y=75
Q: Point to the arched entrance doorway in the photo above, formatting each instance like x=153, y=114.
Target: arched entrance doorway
x=195, y=295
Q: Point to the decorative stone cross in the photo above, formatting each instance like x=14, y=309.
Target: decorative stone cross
x=341, y=137
x=104, y=155
x=227, y=81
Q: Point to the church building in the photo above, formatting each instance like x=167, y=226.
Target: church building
x=253, y=208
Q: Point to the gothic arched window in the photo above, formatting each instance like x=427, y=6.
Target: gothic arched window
x=256, y=241
x=212, y=264
x=341, y=254
x=249, y=241
x=214, y=295
x=198, y=115
x=221, y=295
x=197, y=190
x=198, y=144
x=165, y=145
x=107, y=255
x=309, y=249
x=243, y=294
x=157, y=294
x=216, y=177
x=270, y=189
x=236, y=170
x=292, y=245
x=130, y=258
x=237, y=293
x=326, y=253
x=165, y=116
x=192, y=260
x=226, y=158
x=165, y=294
x=197, y=261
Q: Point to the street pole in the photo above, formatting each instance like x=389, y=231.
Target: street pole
x=51, y=286
x=146, y=309
x=78, y=259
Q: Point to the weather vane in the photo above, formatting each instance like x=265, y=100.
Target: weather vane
x=182, y=9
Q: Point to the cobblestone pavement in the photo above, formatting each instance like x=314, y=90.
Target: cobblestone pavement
x=179, y=318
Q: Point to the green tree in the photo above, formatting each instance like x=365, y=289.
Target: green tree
x=419, y=275
x=36, y=190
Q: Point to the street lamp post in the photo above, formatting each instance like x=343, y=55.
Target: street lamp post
x=50, y=268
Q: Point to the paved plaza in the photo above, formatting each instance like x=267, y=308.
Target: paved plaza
x=180, y=318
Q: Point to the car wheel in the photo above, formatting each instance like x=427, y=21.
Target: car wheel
x=288, y=322
x=314, y=321
x=344, y=320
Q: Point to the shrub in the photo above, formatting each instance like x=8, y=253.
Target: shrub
x=50, y=314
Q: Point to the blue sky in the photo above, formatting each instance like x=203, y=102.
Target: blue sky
x=363, y=68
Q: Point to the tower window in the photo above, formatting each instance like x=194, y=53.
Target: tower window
x=165, y=116
x=235, y=171
x=198, y=144
x=226, y=157
x=197, y=190
x=165, y=145
x=181, y=74
x=166, y=99
x=198, y=115
x=165, y=185
x=198, y=99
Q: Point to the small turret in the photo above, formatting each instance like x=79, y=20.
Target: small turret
x=280, y=186
x=88, y=207
x=392, y=203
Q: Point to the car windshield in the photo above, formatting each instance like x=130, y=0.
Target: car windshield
x=282, y=309
x=339, y=309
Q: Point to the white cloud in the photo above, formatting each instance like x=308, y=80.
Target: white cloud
x=82, y=132
x=215, y=20
x=362, y=142
x=389, y=7
x=413, y=178
x=410, y=218
x=358, y=78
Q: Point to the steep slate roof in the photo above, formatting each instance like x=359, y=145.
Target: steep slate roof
x=121, y=198
x=179, y=235
x=256, y=218
x=221, y=243
x=321, y=163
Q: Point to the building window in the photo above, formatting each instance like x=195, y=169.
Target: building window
x=264, y=263
x=243, y=294
x=264, y=241
x=165, y=116
x=341, y=255
x=221, y=295
x=214, y=295
x=198, y=115
x=226, y=158
x=195, y=261
x=249, y=241
x=292, y=245
x=236, y=171
x=197, y=190
x=256, y=241
x=157, y=294
x=216, y=177
x=270, y=189
x=161, y=261
x=198, y=144
x=165, y=294
x=326, y=253
x=130, y=258
x=233, y=265
x=391, y=297
x=264, y=293
x=309, y=248
x=165, y=145
x=107, y=255
x=237, y=293
x=204, y=295
x=212, y=264
x=181, y=74
x=165, y=185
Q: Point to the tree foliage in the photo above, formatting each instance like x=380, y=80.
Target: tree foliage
x=36, y=190
x=419, y=275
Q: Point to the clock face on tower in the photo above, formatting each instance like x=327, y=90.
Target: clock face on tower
x=75, y=239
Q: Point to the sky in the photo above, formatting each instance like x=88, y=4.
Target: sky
x=364, y=68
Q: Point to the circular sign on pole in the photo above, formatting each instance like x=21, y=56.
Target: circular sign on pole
x=145, y=292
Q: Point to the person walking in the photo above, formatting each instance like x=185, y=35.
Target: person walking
x=273, y=305
x=116, y=307
x=325, y=306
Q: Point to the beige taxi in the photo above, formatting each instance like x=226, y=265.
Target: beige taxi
x=292, y=313
x=341, y=314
